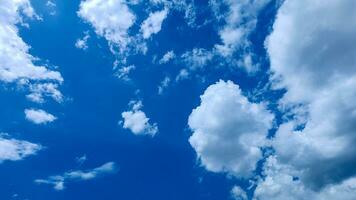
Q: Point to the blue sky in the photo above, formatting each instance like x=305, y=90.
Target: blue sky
x=183, y=99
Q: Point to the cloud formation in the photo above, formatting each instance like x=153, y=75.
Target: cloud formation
x=13, y=150
x=314, y=60
x=153, y=23
x=229, y=130
x=59, y=181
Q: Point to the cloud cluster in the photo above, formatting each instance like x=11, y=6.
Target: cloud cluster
x=16, y=63
x=229, y=130
x=59, y=181
x=314, y=60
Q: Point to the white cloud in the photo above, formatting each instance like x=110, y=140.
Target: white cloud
x=183, y=74
x=39, y=116
x=312, y=55
x=41, y=90
x=13, y=150
x=153, y=24
x=228, y=130
x=170, y=55
x=238, y=193
x=137, y=121
x=164, y=84
x=58, y=181
x=15, y=61
x=197, y=58
x=111, y=19
x=281, y=183
x=123, y=72
x=82, y=43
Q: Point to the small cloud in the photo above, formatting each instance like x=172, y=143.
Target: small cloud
x=39, y=116
x=164, y=84
x=58, y=181
x=183, y=74
x=137, y=121
x=82, y=43
x=123, y=72
x=167, y=57
x=153, y=23
x=12, y=149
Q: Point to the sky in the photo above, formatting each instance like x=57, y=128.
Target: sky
x=179, y=99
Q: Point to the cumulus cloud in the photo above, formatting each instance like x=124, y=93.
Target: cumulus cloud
x=15, y=61
x=314, y=60
x=228, y=130
x=59, y=181
x=137, y=121
x=111, y=19
x=39, y=116
x=13, y=150
x=153, y=23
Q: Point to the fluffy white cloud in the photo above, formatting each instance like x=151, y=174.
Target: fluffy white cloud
x=228, y=130
x=137, y=121
x=153, y=23
x=312, y=56
x=58, y=181
x=111, y=19
x=13, y=150
x=15, y=61
x=170, y=55
x=39, y=116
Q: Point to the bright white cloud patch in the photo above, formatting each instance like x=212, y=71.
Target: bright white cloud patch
x=15, y=61
x=111, y=19
x=313, y=56
x=39, y=116
x=39, y=91
x=153, y=23
x=123, y=72
x=58, y=181
x=13, y=150
x=137, y=121
x=228, y=130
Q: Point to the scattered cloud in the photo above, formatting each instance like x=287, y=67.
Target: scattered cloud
x=228, y=130
x=59, y=181
x=197, y=58
x=39, y=116
x=123, y=72
x=136, y=120
x=14, y=150
x=164, y=84
x=82, y=43
x=41, y=90
x=153, y=24
x=170, y=55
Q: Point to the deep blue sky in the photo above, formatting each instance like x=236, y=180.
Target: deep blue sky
x=164, y=167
